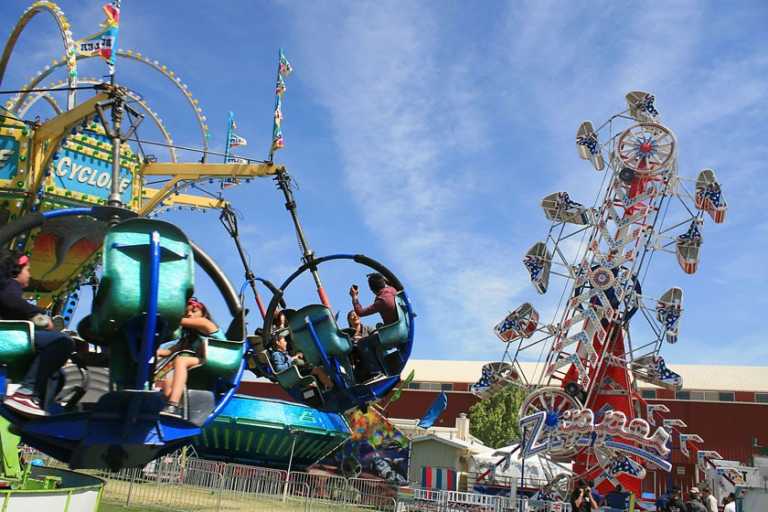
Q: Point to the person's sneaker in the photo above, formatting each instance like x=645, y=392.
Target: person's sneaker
x=25, y=404
x=171, y=410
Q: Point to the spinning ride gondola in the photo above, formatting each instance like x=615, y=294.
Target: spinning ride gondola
x=148, y=276
x=314, y=332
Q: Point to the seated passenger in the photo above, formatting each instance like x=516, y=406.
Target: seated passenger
x=367, y=367
x=356, y=330
x=196, y=324
x=282, y=359
x=52, y=348
x=384, y=304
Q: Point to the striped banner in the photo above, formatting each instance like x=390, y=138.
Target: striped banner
x=439, y=478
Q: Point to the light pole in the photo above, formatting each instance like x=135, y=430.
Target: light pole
x=291, y=432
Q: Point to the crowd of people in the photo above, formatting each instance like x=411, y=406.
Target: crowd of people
x=698, y=500
x=586, y=498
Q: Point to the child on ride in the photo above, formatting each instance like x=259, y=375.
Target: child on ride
x=52, y=348
x=196, y=324
x=282, y=359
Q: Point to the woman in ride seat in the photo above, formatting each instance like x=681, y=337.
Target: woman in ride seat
x=196, y=325
x=357, y=330
x=52, y=348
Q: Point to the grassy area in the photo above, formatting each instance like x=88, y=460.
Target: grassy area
x=265, y=506
x=116, y=507
x=167, y=497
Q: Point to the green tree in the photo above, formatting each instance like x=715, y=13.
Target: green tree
x=494, y=420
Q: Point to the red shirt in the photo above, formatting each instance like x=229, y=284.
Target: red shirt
x=385, y=305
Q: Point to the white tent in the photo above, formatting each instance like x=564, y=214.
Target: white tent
x=538, y=470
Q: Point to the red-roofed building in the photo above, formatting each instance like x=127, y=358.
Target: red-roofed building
x=726, y=405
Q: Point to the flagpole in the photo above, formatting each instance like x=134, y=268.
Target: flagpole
x=113, y=56
x=278, y=101
x=115, y=200
x=227, y=148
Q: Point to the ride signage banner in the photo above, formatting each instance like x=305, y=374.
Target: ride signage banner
x=9, y=157
x=94, y=177
x=82, y=170
x=577, y=428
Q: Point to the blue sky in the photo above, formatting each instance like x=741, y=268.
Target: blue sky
x=424, y=134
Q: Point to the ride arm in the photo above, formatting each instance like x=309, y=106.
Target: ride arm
x=193, y=171
x=188, y=200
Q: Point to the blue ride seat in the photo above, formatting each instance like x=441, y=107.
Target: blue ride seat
x=334, y=342
x=16, y=347
x=396, y=333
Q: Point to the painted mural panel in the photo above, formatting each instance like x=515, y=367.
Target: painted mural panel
x=375, y=449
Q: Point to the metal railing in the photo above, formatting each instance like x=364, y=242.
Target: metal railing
x=173, y=484
x=448, y=501
x=170, y=484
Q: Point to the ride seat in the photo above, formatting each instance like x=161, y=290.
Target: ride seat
x=124, y=288
x=221, y=361
x=16, y=347
x=387, y=339
x=288, y=378
x=334, y=342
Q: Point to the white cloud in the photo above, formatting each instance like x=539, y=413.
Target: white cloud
x=396, y=115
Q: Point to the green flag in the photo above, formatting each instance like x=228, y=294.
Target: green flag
x=396, y=394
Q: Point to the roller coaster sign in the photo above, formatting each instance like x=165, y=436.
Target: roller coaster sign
x=577, y=428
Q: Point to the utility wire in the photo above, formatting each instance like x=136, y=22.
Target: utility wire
x=54, y=89
x=187, y=148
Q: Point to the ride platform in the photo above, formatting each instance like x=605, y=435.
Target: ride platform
x=261, y=431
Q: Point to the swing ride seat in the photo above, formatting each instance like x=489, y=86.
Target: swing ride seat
x=396, y=333
x=124, y=288
x=290, y=377
x=119, y=309
x=387, y=339
x=16, y=346
x=334, y=342
x=222, y=359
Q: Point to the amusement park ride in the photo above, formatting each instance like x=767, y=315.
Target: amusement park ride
x=74, y=196
x=582, y=404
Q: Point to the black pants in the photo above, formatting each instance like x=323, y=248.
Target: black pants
x=53, y=349
x=367, y=362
